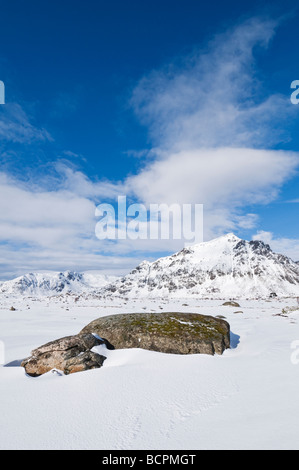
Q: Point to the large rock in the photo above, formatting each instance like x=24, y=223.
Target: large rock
x=176, y=333
x=69, y=354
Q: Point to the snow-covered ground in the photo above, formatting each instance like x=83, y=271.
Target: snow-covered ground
x=245, y=399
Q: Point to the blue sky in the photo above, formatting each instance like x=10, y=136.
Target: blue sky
x=165, y=101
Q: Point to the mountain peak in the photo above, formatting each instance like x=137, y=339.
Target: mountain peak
x=226, y=267
x=55, y=283
x=230, y=237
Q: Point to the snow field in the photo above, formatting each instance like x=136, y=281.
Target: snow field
x=244, y=399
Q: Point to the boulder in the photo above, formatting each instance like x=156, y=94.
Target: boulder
x=69, y=354
x=176, y=333
x=231, y=303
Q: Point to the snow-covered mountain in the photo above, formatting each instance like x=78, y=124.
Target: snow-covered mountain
x=221, y=268
x=226, y=267
x=54, y=283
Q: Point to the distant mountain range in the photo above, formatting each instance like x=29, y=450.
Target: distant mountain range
x=226, y=267
x=54, y=283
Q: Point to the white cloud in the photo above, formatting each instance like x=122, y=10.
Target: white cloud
x=223, y=179
x=54, y=228
x=213, y=96
x=77, y=182
x=212, y=124
x=218, y=176
x=16, y=126
x=50, y=229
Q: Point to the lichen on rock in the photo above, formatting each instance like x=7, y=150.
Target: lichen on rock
x=176, y=333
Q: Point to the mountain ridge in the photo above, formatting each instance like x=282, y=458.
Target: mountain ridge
x=227, y=266
x=55, y=283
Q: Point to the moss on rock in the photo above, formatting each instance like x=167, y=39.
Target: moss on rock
x=172, y=332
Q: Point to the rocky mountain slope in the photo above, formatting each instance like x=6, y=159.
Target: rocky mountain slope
x=40, y=284
x=221, y=268
x=226, y=267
